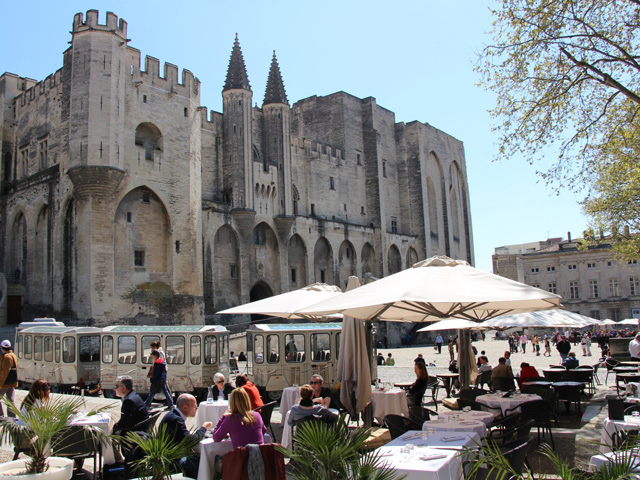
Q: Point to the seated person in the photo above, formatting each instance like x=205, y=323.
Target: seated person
x=186, y=407
x=242, y=357
x=306, y=408
x=484, y=365
x=222, y=389
x=321, y=394
x=251, y=389
x=133, y=410
x=571, y=362
x=502, y=370
x=417, y=388
x=526, y=372
x=242, y=425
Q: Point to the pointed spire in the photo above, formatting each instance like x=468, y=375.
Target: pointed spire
x=237, y=73
x=275, y=92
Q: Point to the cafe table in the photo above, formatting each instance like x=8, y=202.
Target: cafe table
x=209, y=450
x=495, y=401
x=537, y=383
x=389, y=402
x=211, y=412
x=436, y=457
x=290, y=397
x=473, y=415
x=447, y=379
x=287, y=431
x=100, y=420
x=597, y=461
x=610, y=427
x=462, y=426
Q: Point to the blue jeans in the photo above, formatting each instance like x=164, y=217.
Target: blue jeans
x=563, y=356
x=165, y=390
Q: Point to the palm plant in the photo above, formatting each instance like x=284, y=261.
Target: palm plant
x=45, y=426
x=161, y=452
x=333, y=452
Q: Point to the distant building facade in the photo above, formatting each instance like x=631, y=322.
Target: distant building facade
x=591, y=282
x=124, y=200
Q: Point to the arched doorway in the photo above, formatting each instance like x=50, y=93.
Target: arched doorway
x=259, y=291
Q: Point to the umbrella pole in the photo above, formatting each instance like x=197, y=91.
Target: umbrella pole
x=464, y=338
x=367, y=413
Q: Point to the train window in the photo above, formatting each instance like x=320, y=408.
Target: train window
x=294, y=348
x=175, y=349
x=210, y=349
x=57, y=344
x=89, y=350
x=126, y=349
x=27, y=347
x=37, y=347
x=107, y=349
x=19, y=346
x=338, y=345
x=273, y=347
x=196, y=350
x=48, y=349
x=258, y=349
x=146, y=342
x=69, y=349
x=320, y=347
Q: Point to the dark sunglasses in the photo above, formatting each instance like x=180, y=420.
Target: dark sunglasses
x=315, y=383
x=220, y=381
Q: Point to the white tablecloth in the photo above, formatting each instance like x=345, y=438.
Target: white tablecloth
x=612, y=426
x=290, y=397
x=485, y=417
x=630, y=387
x=417, y=465
x=208, y=451
x=211, y=412
x=394, y=402
x=461, y=426
x=100, y=420
x=598, y=460
x=499, y=402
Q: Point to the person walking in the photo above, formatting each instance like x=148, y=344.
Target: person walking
x=8, y=375
x=451, y=355
x=439, y=342
x=523, y=342
x=158, y=381
x=563, y=347
x=547, y=348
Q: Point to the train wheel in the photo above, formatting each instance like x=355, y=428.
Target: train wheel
x=274, y=396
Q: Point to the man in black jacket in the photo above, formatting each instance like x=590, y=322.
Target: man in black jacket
x=563, y=347
x=222, y=388
x=133, y=410
x=186, y=406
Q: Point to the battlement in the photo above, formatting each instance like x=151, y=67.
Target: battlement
x=316, y=150
x=189, y=85
x=33, y=90
x=211, y=118
x=91, y=23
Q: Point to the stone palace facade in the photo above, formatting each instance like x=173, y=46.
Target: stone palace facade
x=123, y=199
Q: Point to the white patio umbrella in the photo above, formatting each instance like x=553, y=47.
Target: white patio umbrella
x=452, y=324
x=629, y=321
x=540, y=319
x=285, y=304
x=354, y=367
x=435, y=289
x=607, y=321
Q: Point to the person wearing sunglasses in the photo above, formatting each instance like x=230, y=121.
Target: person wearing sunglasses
x=223, y=389
x=321, y=394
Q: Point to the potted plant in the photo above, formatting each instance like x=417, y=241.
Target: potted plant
x=43, y=427
x=334, y=452
x=160, y=453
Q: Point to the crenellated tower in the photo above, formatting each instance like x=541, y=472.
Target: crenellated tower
x=237, y=130
x=277, y=132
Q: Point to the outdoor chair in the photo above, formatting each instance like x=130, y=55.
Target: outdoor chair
x=398, y=425
x=595, y=373
x=432, y=391
x=77, y=443
x=516, y=454
x=569, y=394
x=419, y=415
x=534, y=389
x=631, y=409
x=554, y=375
x=625, y=439
x=265, y=412
x=484, y=379
x=502, y=384
x=510, y=419
x=472, y=393
x=540, y=412
x=21, y=441
x=583, y=375
x=610, y=364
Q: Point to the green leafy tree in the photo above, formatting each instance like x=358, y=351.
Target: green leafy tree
x=566, y=75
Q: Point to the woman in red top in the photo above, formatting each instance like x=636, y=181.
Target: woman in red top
x=527, y=372
x=252, y=391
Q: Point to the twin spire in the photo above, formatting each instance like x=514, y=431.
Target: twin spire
x=237, y=77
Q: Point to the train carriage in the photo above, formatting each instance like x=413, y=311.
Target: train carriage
x=193, y=354
x=288, y=354
x=69, y=357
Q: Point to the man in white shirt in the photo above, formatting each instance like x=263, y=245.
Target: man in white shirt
x=634, y=348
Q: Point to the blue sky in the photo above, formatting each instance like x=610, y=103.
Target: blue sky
x=415, y=57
